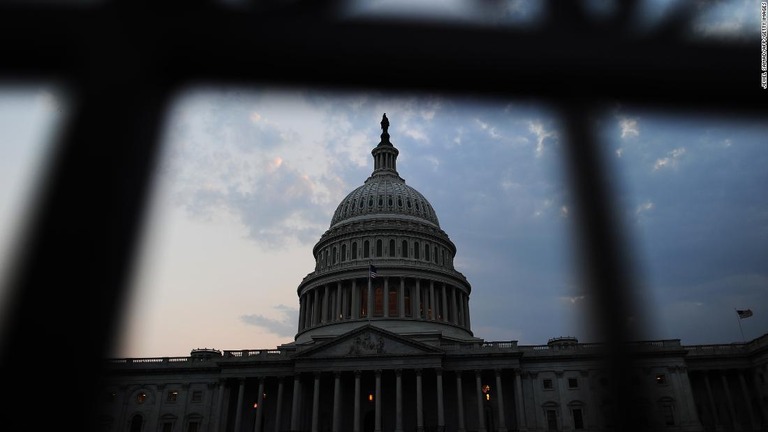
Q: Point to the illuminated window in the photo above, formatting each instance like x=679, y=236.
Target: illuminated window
x=141, y=397
x=661, y=379
x=370, y=397
x=172, y=396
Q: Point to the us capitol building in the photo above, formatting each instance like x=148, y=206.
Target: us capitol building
x=384, y=343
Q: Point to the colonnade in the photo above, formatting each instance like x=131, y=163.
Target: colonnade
x=734, y=394
x=347, y=397
x=387, y=297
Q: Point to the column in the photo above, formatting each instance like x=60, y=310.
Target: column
x=416, y=300
x=712, y=406
x=440, y=407
x=301, y=313
x=419, y=403
x=454, y=307
x=356, y=426
x=324, y=305
x=313, y=314
x=480, y=412
x=519, y=407
x=401, y=299
x=259, y=407
x=219, y=406
x=432, y=303
x=747, y=401
x=377, y=427
x=460, y=402
x=466, y=307
x=500, y=402
x=370, y=297
x=758, y=393
x=158, y=402
x=683, y=394
x=279, y=411
x=316, y=403
x=239, y=412
x=445, y=303
x=355, y=301
x=728, y=398
x=567, y=423
x=386, y=297
x=295, y=403
x=536, y=401
x=399, y=401
x=337, y=314
x=336, y=402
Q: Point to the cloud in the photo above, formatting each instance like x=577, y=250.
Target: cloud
x=537, y=128
x=573, y=300
x=629, y=128
x=285, y=327
x=644, y=207
x=670, y=160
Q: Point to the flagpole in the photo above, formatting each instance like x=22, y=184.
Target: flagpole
x=738, y=317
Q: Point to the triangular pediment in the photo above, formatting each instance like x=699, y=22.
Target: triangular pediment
x=369, y=341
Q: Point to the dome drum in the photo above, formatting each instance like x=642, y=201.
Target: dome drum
x=390, y=225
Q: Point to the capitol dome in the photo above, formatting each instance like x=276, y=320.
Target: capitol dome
x=384, y=261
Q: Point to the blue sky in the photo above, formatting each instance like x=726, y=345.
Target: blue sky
x=249, y=179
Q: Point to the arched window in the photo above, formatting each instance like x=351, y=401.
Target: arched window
x=392, y=248
x=366, y=249
x=405, y=249
x=343, y=253
x=354, y=250
x=416, y=250
x=426, y=252
x=136, y=423
x=434, y=256
x=379, y=248
x=333, y=255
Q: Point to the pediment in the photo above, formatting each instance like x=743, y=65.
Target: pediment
x=369, y=341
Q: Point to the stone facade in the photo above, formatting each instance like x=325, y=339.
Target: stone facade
x=396, y=352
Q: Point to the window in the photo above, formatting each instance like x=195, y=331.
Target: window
x=366, y=249
x=379, y=247
x=547, y=384
x=405, y=249
x=551, y=420
x=333, y=254
x=668, y=414
x=193, y=426
x=661, y=379
x=167, y=426
x=573, y=383
x=578, y=419
x=197, y=396
x=354, y=250
x=392, y=248
x=172, y=396
x=141, y=397
x=393, y=311
x=378, y=303
x=434, y=255
x=426, y=252
x=416, y=250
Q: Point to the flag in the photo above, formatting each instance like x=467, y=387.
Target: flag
x=744, y=313
x=371, y=271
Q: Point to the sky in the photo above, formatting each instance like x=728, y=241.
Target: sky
x=249, y=179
